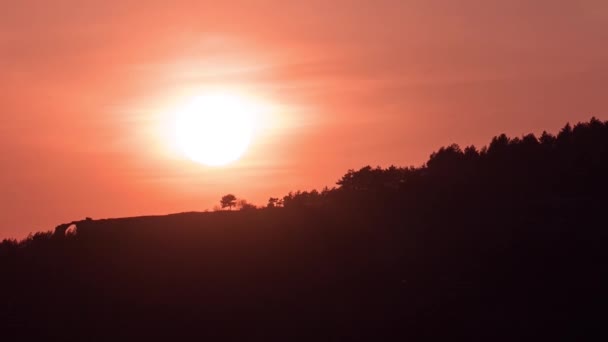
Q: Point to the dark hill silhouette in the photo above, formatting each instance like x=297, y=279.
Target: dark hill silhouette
x=503, y=243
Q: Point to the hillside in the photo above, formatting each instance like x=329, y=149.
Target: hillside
x=507, y=242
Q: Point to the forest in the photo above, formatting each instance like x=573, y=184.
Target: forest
x=503, y=242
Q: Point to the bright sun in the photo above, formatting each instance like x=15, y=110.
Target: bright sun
x=215, y=129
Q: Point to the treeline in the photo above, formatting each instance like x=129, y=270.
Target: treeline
x=571, y=165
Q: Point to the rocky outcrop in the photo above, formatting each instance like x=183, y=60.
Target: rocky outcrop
x=61, y=229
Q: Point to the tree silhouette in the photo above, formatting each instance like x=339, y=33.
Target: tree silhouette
x=228, y=201
x=273, y=202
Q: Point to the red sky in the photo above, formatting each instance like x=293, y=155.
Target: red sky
x=87, y=85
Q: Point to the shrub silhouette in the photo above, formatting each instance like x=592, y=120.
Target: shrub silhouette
x=244, y=205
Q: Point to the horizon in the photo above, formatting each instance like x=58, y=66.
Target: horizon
x=91, y=93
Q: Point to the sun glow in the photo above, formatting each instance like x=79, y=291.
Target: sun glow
x=215, y=129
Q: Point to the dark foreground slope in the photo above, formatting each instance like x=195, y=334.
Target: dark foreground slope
x=476, y=244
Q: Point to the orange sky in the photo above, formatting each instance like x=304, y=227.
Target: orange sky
x=87, y=87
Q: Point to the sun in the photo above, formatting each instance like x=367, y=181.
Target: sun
x=215, y=129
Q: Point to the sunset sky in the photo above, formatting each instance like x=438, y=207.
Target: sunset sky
x=90, y=90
